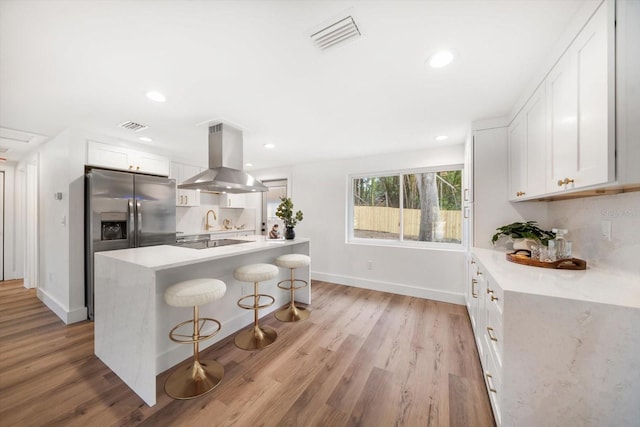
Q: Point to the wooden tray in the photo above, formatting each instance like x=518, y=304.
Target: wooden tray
x=524, y=257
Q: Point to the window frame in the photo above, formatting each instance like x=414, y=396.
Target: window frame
x=400, y=242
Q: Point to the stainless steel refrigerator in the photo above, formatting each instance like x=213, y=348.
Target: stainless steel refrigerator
x=125, y=210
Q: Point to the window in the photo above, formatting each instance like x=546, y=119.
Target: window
x=422, y=205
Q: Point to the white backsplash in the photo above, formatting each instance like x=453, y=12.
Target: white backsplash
x=583, y=218
x=191, y=220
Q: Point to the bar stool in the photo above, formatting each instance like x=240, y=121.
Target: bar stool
x=201, y=376
x=291, y=313
x=256, y=337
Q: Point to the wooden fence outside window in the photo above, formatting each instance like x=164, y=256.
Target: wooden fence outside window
x=386, y=220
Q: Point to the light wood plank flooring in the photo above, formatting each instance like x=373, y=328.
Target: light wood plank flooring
x=364, y=358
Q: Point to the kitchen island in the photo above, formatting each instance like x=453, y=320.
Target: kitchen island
x=132, y=321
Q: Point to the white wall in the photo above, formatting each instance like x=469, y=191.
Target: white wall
x=583, y=218
x=320, y=191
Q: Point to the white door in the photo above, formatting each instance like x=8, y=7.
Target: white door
x=2, y=225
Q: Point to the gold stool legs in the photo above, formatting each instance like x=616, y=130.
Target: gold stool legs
x=201, y=376
x=256, y=337
x=291, y=313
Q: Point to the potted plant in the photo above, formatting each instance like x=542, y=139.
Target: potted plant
x=524, y=234
x=285, y=213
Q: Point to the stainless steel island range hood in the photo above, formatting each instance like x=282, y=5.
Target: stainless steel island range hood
x=225, y=174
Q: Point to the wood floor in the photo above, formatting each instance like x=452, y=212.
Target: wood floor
x=363, y=358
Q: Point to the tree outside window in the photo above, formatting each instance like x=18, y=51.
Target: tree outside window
x=423, y=206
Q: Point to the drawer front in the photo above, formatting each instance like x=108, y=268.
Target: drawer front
x=495, y=295
x=493, y=381
x=493, y=332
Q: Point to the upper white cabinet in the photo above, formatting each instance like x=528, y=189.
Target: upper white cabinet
x=232, y=200
x=581, y=112
x=114, y=157
x=563, y=139
x=527, y=149
x=181, y=172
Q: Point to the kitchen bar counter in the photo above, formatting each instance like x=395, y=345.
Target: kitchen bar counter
x=132, y=321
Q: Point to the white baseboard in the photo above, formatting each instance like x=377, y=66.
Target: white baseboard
x=396, y=288
x=74, y=316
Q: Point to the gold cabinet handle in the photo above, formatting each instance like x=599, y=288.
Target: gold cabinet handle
x=474, y=293
x=137, y=168
x=494, y=298
x=520, y=193
x=473, y=261
x=489, y=291
x=478, y=272
x=565, y=181
x=490, y=382
x=187, y=199
x=130, y=166
x=490, y=333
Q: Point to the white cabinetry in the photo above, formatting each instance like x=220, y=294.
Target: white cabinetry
x=527, y=149
x=181, y=172
x=232, y=200
x=114, y=157
x=580, y=104
x=556, y=350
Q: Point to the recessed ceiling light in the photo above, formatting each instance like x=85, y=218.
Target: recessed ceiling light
x=269, y=145
x=145, y=139
x=440, y=59
x=253, y=189
x=228, y=187
x=156, y=96
x=441, y=137
x=248, y=164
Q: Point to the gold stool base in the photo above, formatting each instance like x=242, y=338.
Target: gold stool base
x=255, y=338
x=291, y=313
x=194, y=380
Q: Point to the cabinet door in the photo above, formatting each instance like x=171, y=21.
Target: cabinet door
x=181, y=172
x=232, y=200
x=517, y=160
x=580, y=119
x=108, y=156
x=150, y=163
x=527, y=148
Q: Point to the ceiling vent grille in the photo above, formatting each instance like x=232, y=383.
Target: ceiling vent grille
x=136, y=127
x=336, y=33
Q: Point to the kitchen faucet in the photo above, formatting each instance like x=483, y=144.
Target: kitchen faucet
x=208, y=226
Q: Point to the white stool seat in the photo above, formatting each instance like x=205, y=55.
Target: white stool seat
x=194, y=292
x=255, y=272
x=293, y=261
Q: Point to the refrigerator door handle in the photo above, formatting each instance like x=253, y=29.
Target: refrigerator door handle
x=130, y=224
x=139, y=227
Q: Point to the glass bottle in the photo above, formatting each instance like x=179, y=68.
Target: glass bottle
x=560, y=243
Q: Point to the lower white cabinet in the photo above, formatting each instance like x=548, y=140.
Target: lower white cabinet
x=550, y=359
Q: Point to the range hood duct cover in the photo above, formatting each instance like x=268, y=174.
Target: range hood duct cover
x=225, y=174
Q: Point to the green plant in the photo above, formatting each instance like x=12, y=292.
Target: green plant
x=524, y=230
x=285, y=212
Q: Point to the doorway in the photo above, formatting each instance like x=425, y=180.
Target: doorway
x=277, y=188
x=2, y=226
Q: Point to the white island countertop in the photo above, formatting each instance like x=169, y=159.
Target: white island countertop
x=164, y=257
x=595, y=284
x=132, y=320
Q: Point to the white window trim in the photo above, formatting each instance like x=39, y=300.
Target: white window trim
x=401, y=243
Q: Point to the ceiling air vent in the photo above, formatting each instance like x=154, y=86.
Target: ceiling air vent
x=136, y=127
x=336, y=33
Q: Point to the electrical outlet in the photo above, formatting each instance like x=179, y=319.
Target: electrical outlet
x=369, y=265
x=606, y=230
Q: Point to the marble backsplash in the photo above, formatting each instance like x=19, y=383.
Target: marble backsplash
x=584, y=219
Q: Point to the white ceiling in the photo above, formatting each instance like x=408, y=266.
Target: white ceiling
x=252, y=63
